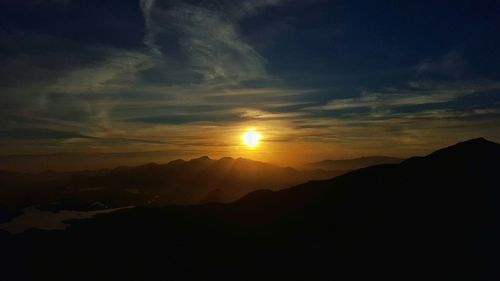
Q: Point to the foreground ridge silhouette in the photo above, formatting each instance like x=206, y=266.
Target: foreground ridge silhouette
x=353, y=164
x=426, y=218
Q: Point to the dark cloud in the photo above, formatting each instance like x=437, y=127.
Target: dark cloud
x=34, y=134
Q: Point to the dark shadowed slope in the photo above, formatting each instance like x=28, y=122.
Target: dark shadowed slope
x=427, y=218
x=353, y=164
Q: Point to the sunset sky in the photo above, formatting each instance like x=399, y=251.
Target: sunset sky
x=99, y=83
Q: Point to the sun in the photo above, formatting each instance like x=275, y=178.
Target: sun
x=251, y=138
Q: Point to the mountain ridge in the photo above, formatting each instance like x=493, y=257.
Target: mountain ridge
x=434, y=217
x=354, y=163
x=177, y=182
x=468, y=148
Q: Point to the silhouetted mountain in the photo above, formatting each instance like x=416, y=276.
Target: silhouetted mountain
x=178, y=182
x=427, y=218
x=188, y=182
x=353, y=164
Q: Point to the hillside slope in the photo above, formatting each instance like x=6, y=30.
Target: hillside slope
x=427, y=218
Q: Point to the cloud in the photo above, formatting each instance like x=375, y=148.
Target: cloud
x=75, y=99
x=204, y=38
x=113, y=74
x=261, y=114
x=450, y=65
x=377, y=101
x=411, y=118
x=417, y=94
x=151, y=28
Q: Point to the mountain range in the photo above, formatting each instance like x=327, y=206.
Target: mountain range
x=200, y=180
x=426, y=218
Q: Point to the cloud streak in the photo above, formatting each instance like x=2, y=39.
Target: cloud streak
x=206, y=38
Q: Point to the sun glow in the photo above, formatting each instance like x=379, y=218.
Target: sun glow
x=251, y=138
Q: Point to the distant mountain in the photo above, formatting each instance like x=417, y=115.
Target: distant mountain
x=427, y=218
x=178, y=182
x=353, y=164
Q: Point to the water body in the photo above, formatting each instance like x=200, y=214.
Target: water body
x=32, y=217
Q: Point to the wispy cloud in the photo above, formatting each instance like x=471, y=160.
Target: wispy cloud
x=260, y=114
x=416, y=94
x=450, y=65
x=111, y=75
x=205, y=37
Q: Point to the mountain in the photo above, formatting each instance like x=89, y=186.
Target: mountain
x=426, y=218
x=353, y=164
x=178, y=182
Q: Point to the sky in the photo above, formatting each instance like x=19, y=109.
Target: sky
x=98, y=83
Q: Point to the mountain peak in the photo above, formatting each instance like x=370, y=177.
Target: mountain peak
x=226, y=159
x=479, y=140
x=471, y=144
x=205, y=157
x=176, y=162
x=473, y=149
x=151, y=164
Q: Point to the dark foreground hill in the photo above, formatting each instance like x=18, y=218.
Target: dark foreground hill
x=428, y=218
